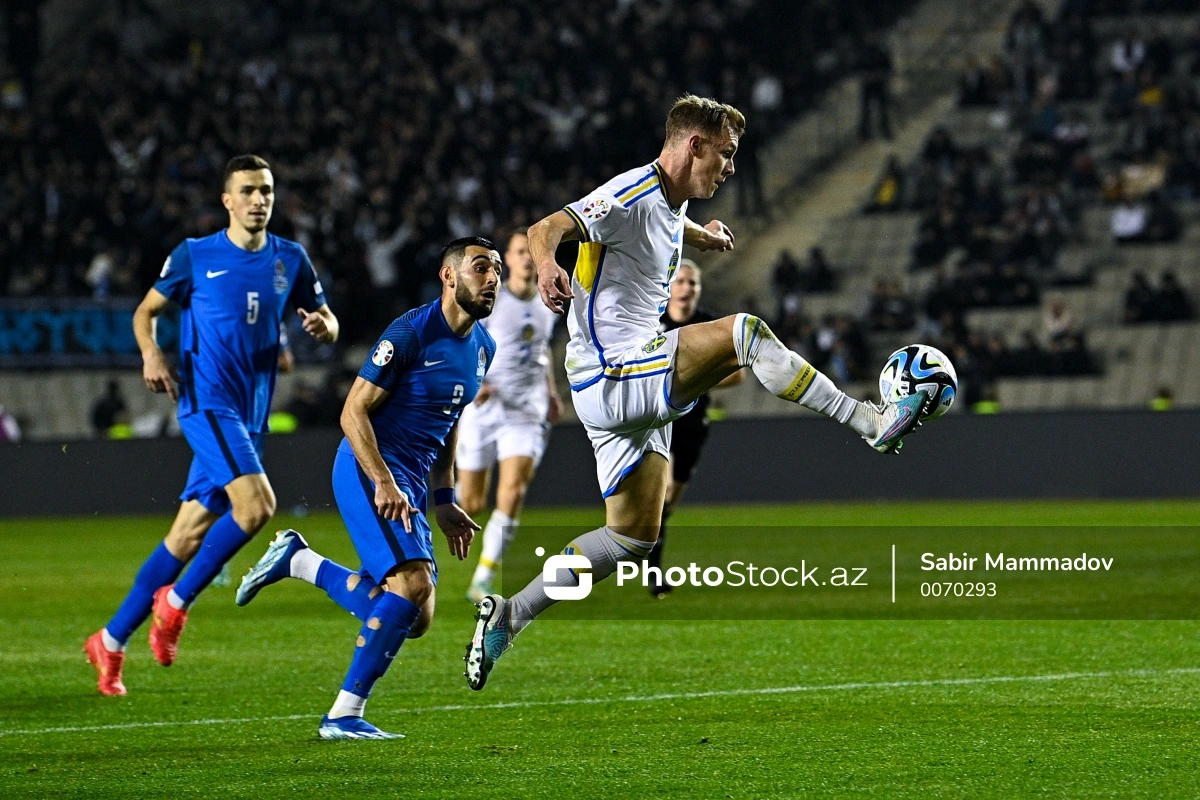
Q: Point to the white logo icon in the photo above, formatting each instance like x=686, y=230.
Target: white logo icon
x=166, y=268
x=433, y=363
x=575, y=562
x=212, y=274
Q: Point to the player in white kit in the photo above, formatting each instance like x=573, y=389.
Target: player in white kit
x=508, y=423
x=627, y=380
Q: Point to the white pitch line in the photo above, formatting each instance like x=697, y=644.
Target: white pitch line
x=648, y=698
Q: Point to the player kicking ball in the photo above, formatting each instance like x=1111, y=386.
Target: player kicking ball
x=629, y=381
x=509, y=422
x=234, y=288
x=399, y=421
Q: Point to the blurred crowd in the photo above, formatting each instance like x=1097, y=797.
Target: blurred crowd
x=390, y=131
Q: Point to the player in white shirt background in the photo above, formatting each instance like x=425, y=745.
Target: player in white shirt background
x=628, y=381
x=507, y=426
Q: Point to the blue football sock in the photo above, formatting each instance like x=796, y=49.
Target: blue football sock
x=160, y=569
x=352, y=591
x=379, y=641
x=221, y=542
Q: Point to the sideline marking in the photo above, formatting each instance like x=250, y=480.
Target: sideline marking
x=649, y=698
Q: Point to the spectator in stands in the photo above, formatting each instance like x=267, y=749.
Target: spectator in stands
x=1127, y=55
x=875, y=75
x=1128, y=223
x=818, y=278
x=751, y=201
x=888, y=194
x=1171, y=302
x=1140, y=300
x=109, y=409
x=888, y=308
x=786, y=279
x=1028, y=358
x=1057, y=323
x=1163, y=400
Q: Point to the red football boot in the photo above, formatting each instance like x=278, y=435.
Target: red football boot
x=166, y=624
x=108, y=665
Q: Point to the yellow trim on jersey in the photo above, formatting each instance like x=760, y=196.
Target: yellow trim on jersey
x=634, y=369
x=800, y=385
x=646, y=184
x=587, y=264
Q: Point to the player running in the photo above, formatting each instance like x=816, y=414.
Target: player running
x=510, y=420
x=628, y=380
x=689, y=432
x=234, y=288
x=399, y=421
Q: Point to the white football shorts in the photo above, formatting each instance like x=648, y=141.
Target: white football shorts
x=490, y=432
x=627, y=409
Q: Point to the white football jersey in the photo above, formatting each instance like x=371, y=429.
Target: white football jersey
x=631, y=241
x=522, y=330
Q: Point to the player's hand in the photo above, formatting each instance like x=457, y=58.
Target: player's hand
x=485, y=392
x=719, y=237
x=554, y=285
x=556, y=408
x=393, y=504
x=458, y=527
x=314, y=325
x=159, y=375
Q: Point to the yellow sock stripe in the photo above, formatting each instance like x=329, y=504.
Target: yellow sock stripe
x=487, y=563
x=800, y=385
x=629, y=545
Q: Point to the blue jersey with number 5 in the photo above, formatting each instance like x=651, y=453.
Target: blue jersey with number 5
x=233, y=304
x=431, y=373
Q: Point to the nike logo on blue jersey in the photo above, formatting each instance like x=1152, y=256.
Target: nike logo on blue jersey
x=433, y=363
x=212, y=274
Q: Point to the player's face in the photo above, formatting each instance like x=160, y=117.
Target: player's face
x=249, y=196
x=714, y=163
x=519, y=260
x=685, y=292
x=477, y=280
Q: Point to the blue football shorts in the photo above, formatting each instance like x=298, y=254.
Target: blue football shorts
x=382, y=545
x=223, y=449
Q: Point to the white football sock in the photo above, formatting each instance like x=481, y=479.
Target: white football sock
x=304, y=565
x=111, y=644
x=497, y=535
x=603, y=547
x=347, y=705
x=787, y=375
x=175, y=601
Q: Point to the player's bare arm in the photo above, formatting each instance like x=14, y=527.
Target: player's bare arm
x=321, y=324
x=555, y=412
x=554, y=284
x=713, y=236
x=454, y=522
x=364, y=398
x=158, y=374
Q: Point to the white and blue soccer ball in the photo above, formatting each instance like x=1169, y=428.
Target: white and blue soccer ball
x=916, y=367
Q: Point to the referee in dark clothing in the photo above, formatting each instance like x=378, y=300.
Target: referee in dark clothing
x=691, y=430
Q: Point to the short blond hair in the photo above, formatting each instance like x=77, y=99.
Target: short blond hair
x=703, y=115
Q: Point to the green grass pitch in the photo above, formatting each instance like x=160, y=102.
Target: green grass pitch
x=590, y=708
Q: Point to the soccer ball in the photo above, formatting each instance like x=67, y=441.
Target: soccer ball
x=917, y=367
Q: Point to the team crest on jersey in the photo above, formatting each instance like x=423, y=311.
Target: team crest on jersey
x=166, y=268
x=281, y=285
x=482, y=370
x=654, y=344
x=383, y=354
x=596, y=209
x=527, y=332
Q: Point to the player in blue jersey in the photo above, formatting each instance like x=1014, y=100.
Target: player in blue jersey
x=401, y=430
x=234, y=288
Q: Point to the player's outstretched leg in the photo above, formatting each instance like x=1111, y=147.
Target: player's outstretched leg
x=787, y=375
x=253, y=504
x=499, y=620
x=498, y=533
x=289, y=556
x=409, y=587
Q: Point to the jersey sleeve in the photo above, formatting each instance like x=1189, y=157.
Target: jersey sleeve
x=394, y=353
x=175, y=280
x=600, y=217
x=307, y=293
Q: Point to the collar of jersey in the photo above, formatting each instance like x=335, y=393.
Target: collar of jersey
x=662, y=185
x=225, y=238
